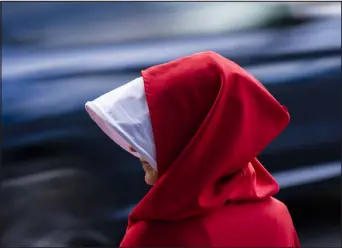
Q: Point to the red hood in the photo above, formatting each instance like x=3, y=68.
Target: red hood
x=210, y=120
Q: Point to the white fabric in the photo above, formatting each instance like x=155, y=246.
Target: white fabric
x=124, y=116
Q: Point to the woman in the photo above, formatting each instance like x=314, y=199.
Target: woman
x=197, y=124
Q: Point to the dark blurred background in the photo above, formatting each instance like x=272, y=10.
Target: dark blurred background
x=65, y=183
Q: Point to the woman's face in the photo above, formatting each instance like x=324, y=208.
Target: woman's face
x=151, y=175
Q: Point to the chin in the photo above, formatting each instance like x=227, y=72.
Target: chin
x=149, y=181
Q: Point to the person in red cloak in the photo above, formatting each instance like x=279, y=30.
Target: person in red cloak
x=198, y=123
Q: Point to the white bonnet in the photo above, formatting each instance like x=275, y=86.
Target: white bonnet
x=124, y=116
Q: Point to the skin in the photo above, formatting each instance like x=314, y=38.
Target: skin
x=151, y=175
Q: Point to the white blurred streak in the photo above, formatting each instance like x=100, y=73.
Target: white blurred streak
x=285, y=71
x=223, y=17
x=308, y=174
x=38, y=178
x=319, y=9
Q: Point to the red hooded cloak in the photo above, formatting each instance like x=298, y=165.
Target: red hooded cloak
x=210, y=119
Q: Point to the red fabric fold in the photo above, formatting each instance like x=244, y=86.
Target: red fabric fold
x=210, y=119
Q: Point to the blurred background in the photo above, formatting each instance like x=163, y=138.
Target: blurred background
x=65, y=183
